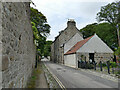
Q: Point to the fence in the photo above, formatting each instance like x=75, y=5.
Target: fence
x=107, y=67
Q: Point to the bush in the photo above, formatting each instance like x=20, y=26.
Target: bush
x=86, y=65
x=89, y=66
x=113, y=64
x=103, y=64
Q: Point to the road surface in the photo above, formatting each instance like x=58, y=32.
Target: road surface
x=73, y=78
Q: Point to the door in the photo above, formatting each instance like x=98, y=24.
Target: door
x=91, y=56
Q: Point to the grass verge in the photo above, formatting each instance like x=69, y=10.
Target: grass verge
x=34, y=77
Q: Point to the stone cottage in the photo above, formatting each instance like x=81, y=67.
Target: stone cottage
x=57, y=47
x=69, y=46
x=91, y=48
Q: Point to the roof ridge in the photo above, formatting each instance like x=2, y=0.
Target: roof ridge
x=78, y=45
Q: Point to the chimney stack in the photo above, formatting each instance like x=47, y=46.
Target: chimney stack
x=71, y=23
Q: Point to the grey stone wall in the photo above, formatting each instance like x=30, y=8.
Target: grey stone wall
x=0, y=45
x=18, y=50
x=104, y=57
x=52, y=52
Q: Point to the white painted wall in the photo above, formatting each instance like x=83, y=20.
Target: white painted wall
x=95, y=44
x=70, y=60
x=68, y=45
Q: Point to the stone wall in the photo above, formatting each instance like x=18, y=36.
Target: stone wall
x=52, y=52
x=104, y=57
x=0, y=46
x=18, y=54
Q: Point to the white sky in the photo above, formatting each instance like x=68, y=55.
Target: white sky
x=58, y=12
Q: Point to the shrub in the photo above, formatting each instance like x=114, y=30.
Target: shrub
x=89, y=66
x=86, y=66
x=113, y=64
x=103, y=64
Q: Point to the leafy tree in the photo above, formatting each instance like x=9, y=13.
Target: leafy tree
x=104, y=30
x=88, y=30
x=109, y=13
x=47, y=48
x=40, y=21
x=40, y=30
x=35, y=31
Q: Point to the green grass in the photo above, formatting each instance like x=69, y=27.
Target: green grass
x=34, y=77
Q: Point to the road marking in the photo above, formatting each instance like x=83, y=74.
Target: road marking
x=57, y=80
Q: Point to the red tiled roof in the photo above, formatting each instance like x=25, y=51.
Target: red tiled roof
x=78, y=45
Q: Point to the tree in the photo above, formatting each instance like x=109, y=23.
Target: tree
x=47, y=48
x=40, y=21
x=40, y=30
x=104, y=30
x=111, y=14
x=35, y=32
x=88, y=30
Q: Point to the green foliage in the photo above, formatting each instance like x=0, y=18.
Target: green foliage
x=35, y=31
x=104, y=64
x=109, y=13
x=89, y=66
x=113, y=64
x=88, y=30
x=47, y=48
x=40, y=30
x=117, y=51
x=104, y=30
x=34, y=77
x=40, y=22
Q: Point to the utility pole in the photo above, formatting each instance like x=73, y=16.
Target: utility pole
x=118, y=35
x=118, y=21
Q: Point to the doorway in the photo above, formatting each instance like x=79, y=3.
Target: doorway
x=91, y=57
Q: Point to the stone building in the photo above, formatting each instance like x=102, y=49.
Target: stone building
x=17, y=50
x=57, y=47
x=92, y=48
x=69, y=47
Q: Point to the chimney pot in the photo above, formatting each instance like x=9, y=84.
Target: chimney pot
x=71, y=22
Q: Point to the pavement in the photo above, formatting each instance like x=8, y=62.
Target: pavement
x=41, y=82
x=73, y=78
x=0, y=80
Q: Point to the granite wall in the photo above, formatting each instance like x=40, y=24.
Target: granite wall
x=18, y=49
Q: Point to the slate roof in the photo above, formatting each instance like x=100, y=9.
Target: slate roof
x=78, y=45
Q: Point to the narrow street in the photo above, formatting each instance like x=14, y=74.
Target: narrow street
x=73, y=78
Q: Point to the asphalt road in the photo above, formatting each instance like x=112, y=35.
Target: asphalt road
x=73, y=78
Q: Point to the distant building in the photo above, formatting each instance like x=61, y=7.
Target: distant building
x=69, y=47
x=57, y=48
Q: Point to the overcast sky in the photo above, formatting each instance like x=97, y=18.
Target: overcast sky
x=58, y=12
